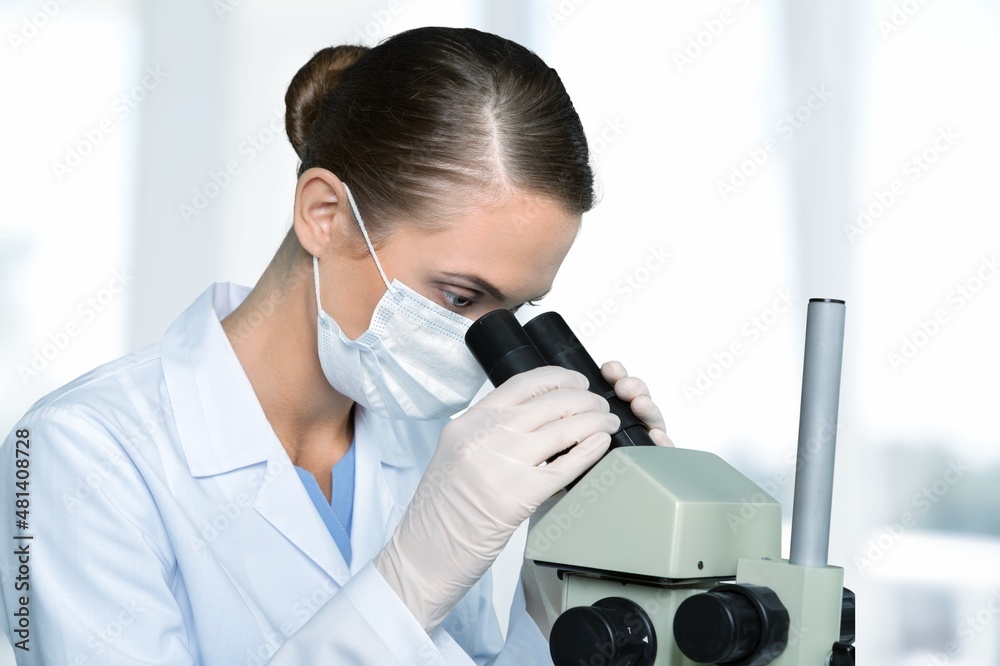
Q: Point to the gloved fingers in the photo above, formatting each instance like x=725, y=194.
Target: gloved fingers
x=551, y=407
x=527, y=385
x=660, y=437
x=634, y=391
x=644, y=407
x=630, y=388
x=560, y=435
x=612, y=371
x=577, y=460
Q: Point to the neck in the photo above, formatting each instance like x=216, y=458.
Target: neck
x=273, y=333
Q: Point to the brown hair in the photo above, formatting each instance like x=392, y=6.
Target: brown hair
x=433, y=112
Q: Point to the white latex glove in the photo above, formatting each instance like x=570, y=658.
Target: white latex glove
x=634, y=391
x=543, y=591
x=486, y=478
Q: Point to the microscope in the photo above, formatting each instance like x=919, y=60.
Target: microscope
x=670, y=556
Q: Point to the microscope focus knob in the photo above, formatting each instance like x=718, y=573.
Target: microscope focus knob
x=614, y=629
x=744, y=625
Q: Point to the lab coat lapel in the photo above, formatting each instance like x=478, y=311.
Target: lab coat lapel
x=283, y=502
x=373, y=501
x=391, y=457
x=223, y=431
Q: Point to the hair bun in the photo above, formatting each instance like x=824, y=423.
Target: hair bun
x=309, y=88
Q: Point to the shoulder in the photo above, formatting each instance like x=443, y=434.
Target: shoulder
x=91, y=451
x=110, y=408
x=128, y=396
x=85, y=454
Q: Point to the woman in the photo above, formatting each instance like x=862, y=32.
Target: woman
x=278, y=480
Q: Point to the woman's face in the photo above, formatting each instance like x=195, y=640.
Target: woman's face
x=491, y=253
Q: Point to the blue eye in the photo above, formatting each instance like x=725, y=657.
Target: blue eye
x=457, y=300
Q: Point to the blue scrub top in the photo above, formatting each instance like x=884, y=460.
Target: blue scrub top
x=337, y=514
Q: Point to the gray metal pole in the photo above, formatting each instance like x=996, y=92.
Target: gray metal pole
x=817, y=432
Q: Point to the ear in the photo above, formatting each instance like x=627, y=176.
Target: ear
x=322, y=213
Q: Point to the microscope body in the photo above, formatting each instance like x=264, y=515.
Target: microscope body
x=672, y=557
x=657, y=525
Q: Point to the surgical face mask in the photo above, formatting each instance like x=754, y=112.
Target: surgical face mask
x=412, y=361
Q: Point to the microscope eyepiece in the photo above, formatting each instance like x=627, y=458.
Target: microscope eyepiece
x=501, y=346
x=504, y=348
x=559, y=346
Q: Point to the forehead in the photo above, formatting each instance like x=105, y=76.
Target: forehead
x=517, y=243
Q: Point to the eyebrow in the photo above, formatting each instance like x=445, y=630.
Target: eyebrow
x=488, y=287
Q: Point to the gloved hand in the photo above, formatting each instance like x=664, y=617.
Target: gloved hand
x=636, y=393
x=543, y=590
x=485, y=479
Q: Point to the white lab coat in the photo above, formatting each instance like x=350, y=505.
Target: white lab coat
x=170, y=526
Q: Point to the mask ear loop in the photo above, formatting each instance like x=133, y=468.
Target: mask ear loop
x=319, y=305
x=364, y=232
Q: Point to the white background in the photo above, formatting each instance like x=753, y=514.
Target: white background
x=674, y=97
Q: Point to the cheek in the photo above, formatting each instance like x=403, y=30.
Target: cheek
x=353, y=324
x=353, y=310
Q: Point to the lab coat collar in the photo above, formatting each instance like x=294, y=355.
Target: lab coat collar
x=220, y=422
